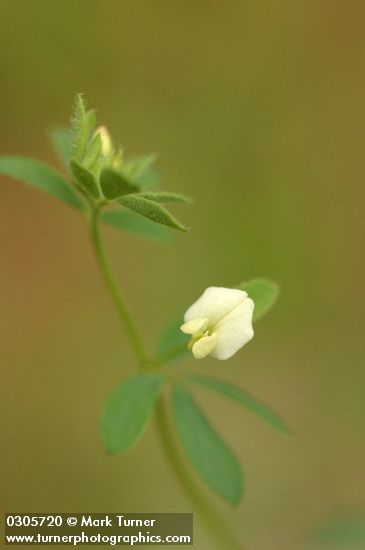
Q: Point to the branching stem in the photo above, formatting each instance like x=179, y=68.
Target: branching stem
x=214, y=523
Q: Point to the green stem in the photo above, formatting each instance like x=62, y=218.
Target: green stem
x=213, y=521
x=114, y=291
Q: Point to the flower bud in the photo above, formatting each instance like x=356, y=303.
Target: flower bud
x=106, y=142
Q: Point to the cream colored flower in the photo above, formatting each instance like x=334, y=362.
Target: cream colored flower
x=220, y=322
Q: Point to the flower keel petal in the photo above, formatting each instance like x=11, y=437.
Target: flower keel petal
x=194, y=325
x=204, y=346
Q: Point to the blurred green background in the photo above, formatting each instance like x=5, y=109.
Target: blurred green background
x=256, y=110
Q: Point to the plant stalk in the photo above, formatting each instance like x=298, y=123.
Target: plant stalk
x=115, y=292
x=213, y=522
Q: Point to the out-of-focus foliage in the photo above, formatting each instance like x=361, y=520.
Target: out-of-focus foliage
x=340, y=531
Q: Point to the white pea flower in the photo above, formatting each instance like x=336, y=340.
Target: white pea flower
x=220, y=322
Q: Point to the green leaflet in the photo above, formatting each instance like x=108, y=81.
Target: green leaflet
x=163, y=196
x=150, y=178
x=90, y=123
x=142, y=170
x=128, y=410
x=39, y=175
x=62, y=143
x=93, y=153
x=85, y=179
x=173, y=340
x=127, y=220
x=115, y=184
x=80, y=125
x=242, y=397
x=264, y=294
x=208, y=453
x=136, y=167
x=151, y=210
x=85, y=146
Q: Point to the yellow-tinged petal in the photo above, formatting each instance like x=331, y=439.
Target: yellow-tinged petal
x=194, y=325
x=204, y=346
x=234, y=330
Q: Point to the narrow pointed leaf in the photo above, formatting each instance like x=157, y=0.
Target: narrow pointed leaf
x=85, y=179
x=163, y=196
x=150, y=178
x=264, y=294
x=62, y=143
x=136, y=167
x=172, y=344
x=244, y=398
x=90, y=122
x=208, y=453
x=93, y=152
x=142, y=170
x=79, y=128
x=115, y=184
x=129, y=221
x=151, y=210
x=40, y=176
x=128, y=410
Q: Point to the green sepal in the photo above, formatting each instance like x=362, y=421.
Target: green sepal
x=114, y=185
x=128, y=410
x=165, y=196
x=208, y=453
x=151, y=210
x=264, y=294
x=85, y=180
x=244, y=398
x=40, y=176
